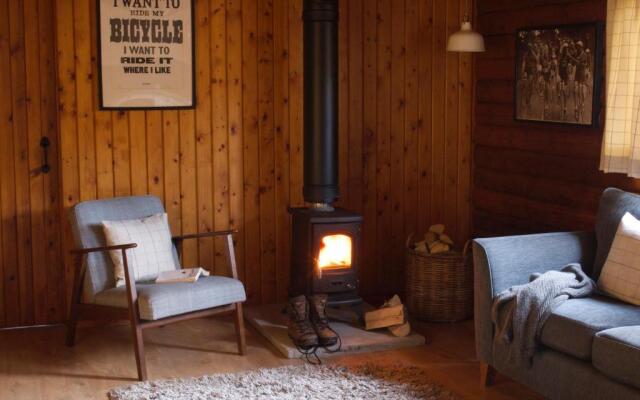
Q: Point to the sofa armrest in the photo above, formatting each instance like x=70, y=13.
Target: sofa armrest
x=502, y=262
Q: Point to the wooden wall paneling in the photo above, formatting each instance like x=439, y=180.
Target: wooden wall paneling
x=235, y=125
x=67, y=110
x=281, y=146
x=155, y=153
x=266, y=153
x=383, y=136
x=465, y=101
x=220, y=140
x=21, y=161
x=236, y=160
x=54, y=261
x=204, y=175
x=296, y=75
x=121, y=154
x=451, y=162
x=355, y=106
x=171, y=157
x=251, y=150
x=439, y=110
x=188, y=186
x=138, y=151
x=84, y=36
x=396, y=140
x=411, y=205
x=369, y=184
x=425, y=104
x=36, y=181
x=9, y=289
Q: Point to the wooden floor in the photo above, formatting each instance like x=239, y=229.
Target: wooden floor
x=35, y=364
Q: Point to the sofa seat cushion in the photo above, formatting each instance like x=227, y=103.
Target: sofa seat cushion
x=616, y=353
x=572, y=326
x=156, y=301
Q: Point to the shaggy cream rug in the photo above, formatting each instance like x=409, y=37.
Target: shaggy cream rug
x=366, y=381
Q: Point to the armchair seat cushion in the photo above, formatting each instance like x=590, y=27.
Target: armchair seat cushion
x=156, y=301
x=572, y=326
x=616, y=353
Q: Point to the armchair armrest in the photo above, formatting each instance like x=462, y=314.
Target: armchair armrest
x=180, y=238
x=231, y=256
x=502, y=262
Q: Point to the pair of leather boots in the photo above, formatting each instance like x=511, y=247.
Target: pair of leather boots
x=308, y=324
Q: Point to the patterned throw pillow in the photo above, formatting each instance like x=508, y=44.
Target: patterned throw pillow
x=620, y=276
x=154, y=253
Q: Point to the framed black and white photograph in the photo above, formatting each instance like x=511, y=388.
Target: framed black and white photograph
x=558, y=74
x=146, y=54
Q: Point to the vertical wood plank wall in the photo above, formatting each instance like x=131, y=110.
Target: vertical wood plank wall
x=531, y=177
x=31, y=269
x=236, y=160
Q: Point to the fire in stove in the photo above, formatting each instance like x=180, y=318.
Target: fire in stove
x=335, y=253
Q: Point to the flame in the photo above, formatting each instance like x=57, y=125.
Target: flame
x=335, y=252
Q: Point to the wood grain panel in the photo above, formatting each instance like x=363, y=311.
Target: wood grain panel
x=404, y=134
x=236, y=159
x=31, y=273
x=530, y=177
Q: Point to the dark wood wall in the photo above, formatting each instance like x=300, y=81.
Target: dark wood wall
x=530, y=177
x=31, y=269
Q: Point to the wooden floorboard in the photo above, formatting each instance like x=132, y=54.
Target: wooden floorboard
x=35, y=363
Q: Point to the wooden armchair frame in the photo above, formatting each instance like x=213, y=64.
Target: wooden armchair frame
x=78, y=310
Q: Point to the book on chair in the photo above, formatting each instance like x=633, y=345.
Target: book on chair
x=181, y=275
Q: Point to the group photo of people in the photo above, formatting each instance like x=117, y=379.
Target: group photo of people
x=555, y=74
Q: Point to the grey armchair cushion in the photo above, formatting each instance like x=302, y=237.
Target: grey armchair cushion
x=613, y=205
x=572, y=327
x=86, y=218
x=156, y=301
x=616, y=353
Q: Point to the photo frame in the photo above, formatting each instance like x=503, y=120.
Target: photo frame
x=146, y=54
x=558, y=74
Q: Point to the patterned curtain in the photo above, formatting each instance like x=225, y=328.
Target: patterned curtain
x=621, y=141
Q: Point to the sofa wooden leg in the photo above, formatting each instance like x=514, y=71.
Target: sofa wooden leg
x=138, y=344
x=487, y=374
x=242, y=343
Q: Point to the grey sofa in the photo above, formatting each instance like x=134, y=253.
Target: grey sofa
x=589, y=348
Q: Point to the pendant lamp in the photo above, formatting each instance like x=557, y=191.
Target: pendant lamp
x=466, y=40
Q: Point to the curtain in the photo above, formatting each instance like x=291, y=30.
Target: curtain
x=621, y=141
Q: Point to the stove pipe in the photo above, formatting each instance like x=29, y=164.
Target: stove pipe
x=320, y=25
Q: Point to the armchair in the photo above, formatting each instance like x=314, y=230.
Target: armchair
x=145, y=304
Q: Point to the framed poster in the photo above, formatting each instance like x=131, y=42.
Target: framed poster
x=146, y=54
x=559, y=74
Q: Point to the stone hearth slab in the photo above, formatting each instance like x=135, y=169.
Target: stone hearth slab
x=271, y=322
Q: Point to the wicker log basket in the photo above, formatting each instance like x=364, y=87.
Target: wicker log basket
x=439, y=286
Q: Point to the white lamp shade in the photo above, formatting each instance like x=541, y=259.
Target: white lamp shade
x=466, y=40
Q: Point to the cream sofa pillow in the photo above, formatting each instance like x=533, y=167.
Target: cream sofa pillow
x=154, y=253
x=620, y=277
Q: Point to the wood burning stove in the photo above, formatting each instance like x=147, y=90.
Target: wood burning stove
x=326, y=241
x=325, y=255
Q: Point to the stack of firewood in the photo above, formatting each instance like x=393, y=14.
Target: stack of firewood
x=392, y=315
x=435, y=241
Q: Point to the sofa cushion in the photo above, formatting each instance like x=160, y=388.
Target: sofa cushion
x=156, y=301
x=613, y=205
x=616, y=353
x=572, y=326
x=620, y=276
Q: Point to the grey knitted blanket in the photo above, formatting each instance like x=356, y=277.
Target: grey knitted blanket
x=520, y=312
